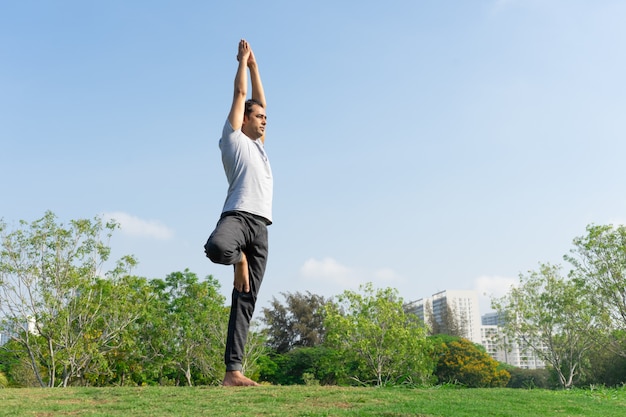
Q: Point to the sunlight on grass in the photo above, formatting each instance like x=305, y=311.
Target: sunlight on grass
x=312, y=401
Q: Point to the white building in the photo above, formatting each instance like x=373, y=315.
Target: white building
x=463, y=304
x=490, y=319
x=513, y=352
x=8, y=333
x=485, y=330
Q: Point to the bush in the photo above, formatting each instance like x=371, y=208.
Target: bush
x=307, y=365
x=309, y=379
x=4, y=381
x=530, y=378
x=605, y=368
x=460, y=361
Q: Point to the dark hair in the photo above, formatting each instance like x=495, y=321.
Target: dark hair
x=249, y=103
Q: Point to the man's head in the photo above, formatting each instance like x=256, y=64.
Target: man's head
x=254, y=120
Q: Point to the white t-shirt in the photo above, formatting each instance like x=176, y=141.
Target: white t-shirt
x=247, y=168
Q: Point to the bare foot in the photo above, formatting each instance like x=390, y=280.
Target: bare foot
x=242, y=280
x=236, y=379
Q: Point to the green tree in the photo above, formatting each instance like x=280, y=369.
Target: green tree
x=606, y=367
x=16, y=366
x=51, y=296
x=461, y=361
x=372, y=328
x=447, y=323
x=530, y=378
x=599, y=259
x=99, y=326
x=554, y=316
x=130, y=359
x=297, y=323
x=195, y=326
x=322, y=364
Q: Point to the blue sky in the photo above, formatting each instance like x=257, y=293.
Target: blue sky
x=422, y=145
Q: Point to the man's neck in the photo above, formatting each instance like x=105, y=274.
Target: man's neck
x=247, y=135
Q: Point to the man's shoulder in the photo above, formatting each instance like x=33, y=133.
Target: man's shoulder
x=229, y=133
x=227, y=129
x=232, y=139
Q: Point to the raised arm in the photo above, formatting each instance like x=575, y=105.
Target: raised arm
x=235, y=117
x=255, y=77
x=258, y=93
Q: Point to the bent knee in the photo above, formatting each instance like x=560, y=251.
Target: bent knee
x=219, y=253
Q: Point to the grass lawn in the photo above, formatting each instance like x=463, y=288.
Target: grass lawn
x=310, y=401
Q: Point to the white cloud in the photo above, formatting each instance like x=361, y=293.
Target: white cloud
x=330, y=271
x=492, y=287
x=329, y=277
x=387, y=275
x=136, y=227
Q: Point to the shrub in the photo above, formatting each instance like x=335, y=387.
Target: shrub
x=460, y=361
x=4, y=381
x=530, y=378
x=302, y=366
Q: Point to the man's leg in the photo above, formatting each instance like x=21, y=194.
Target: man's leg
x=243, y=305
x=238, y=239
x=226, y=243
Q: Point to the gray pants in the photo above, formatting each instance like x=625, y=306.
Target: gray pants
x=236, y=233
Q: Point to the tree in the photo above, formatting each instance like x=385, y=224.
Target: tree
x=51, y=293
x=372, y=329
x=606, y=367
x=599, y=259
x=194, y=326
x=320, y=364
x=461, y=361
x=530, y=378
x=131, y=360
x=447, y=323
x=98, y=325
x=297, y=323
x=553, y=316
x=15, y=364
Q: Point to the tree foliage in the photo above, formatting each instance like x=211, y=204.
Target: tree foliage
x=531, y=378
x=599, y=259
x=371, y=328
x=461, y=361
x=299, y=322
x=322, y=364
x=606, y=367
x=446, y=323
x=552, y=315
x=52, y=295
x=194, y=330
x=73, y=325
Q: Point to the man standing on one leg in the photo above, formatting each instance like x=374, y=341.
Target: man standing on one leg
x=240, y=237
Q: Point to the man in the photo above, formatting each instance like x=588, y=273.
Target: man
x=240, y=237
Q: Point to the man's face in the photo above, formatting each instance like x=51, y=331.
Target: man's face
x=254, y=124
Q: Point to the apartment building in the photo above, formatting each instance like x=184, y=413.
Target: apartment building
x=461, y=305
x=484, y=330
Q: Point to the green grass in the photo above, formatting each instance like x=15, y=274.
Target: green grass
x=310, y=401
